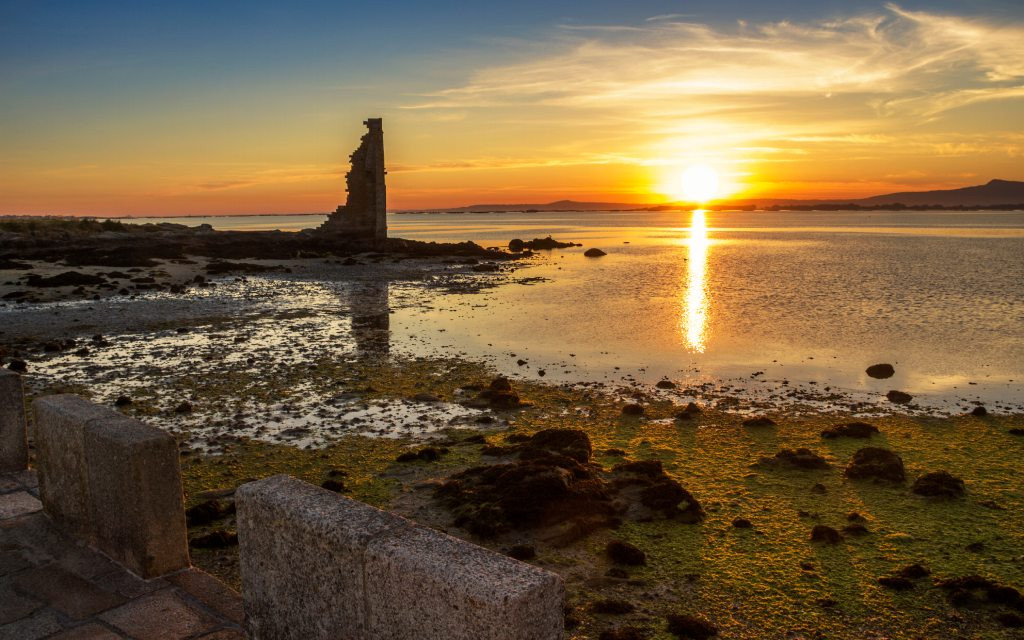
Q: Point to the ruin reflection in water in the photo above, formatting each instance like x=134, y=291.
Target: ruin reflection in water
x=371, y=318
x=694, y=319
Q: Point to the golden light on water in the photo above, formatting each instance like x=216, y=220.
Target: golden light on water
x=696, y=303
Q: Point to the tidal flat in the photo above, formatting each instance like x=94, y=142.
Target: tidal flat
x=299, y=373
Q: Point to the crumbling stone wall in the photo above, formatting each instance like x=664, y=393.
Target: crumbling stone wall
x=363, y=216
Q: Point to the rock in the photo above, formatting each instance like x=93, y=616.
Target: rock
x=426, y=454
x=66, y=279
x=914, y=571
x=633, y=409
x=665, y=384
x=622, y=552
x=501, y=383
x=972, y=590
x=613, y=607
x=802, y=458
x=881, y=371
x=522, y=552
x=979, y=411
x=689, y=412
x=545, y=244
x=208, y=511
x=614, y=452
x=594, y=253
x=426, y=397
x=215, y=540
x=122, y=401
x=554, y=486
x=850, y=430
x=17, y=365
x=853, y=516
x=759, y=421
x=184, y=407
x=939, y=484
x=625, y=633
x=825, y=534
x=516, y=245
x=899, y=397
x=647, y=480
x=1016, y=431
x=896, y=583
x=331, y=484
x=819, y=489
x=856, y=529
x=877, y=464
x=499, y=395
x=742, y=523
x=1010, y=620
x=690, y=627
x=573, y=443
x=486, y=267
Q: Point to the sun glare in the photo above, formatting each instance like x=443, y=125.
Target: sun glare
x=699, y=183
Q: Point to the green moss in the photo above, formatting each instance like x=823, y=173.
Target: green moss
x=746, y=581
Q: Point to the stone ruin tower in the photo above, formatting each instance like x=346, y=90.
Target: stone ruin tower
x=363, y=216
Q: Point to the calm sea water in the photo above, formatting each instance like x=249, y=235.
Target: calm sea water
x=797, y=298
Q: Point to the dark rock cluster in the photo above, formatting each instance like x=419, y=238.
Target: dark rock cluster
x=553, y=484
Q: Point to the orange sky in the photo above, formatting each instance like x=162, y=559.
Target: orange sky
x=876, y=101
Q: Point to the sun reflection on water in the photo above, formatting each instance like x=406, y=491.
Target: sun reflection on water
x=696, y=303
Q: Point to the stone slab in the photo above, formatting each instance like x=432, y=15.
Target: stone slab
x=60, y=458
x=39, y=625
x=159, y=616
x=89, y=631
x=15, y=606
x=17, y=504
x=211, y=592
x=113, y=482
x=421, y=583
x=13, y=427
x=301, y=559
x=137, y=506
x=65, y=591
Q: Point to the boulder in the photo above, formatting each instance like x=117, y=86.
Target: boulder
x=825, y=534
x=850, y=430
x=876, y=463
x=939, y=484
x=622, y=552
x=802, y=458
x=594, y=253
x=880, y=371
x=899, y=397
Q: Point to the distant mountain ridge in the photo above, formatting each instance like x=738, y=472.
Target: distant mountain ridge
x=994, y=192
x=991, y=193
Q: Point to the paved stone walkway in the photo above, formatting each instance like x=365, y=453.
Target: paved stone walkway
x=53, y=587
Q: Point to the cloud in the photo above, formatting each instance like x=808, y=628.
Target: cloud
x=921, y=62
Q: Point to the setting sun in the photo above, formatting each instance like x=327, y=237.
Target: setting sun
x=699, y=183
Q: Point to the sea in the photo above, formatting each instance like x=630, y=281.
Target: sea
x=802, y=300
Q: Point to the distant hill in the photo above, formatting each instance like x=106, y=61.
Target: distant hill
x=994, y=192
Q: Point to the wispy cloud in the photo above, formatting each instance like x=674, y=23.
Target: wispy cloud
x=925, y=63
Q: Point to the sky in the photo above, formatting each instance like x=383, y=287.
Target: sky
x=198, y=108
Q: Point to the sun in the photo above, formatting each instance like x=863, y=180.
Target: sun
x=699, y=183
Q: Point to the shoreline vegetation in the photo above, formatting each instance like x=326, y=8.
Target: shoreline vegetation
x=669, y=514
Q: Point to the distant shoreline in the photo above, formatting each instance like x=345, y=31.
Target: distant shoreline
x=653, y=209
